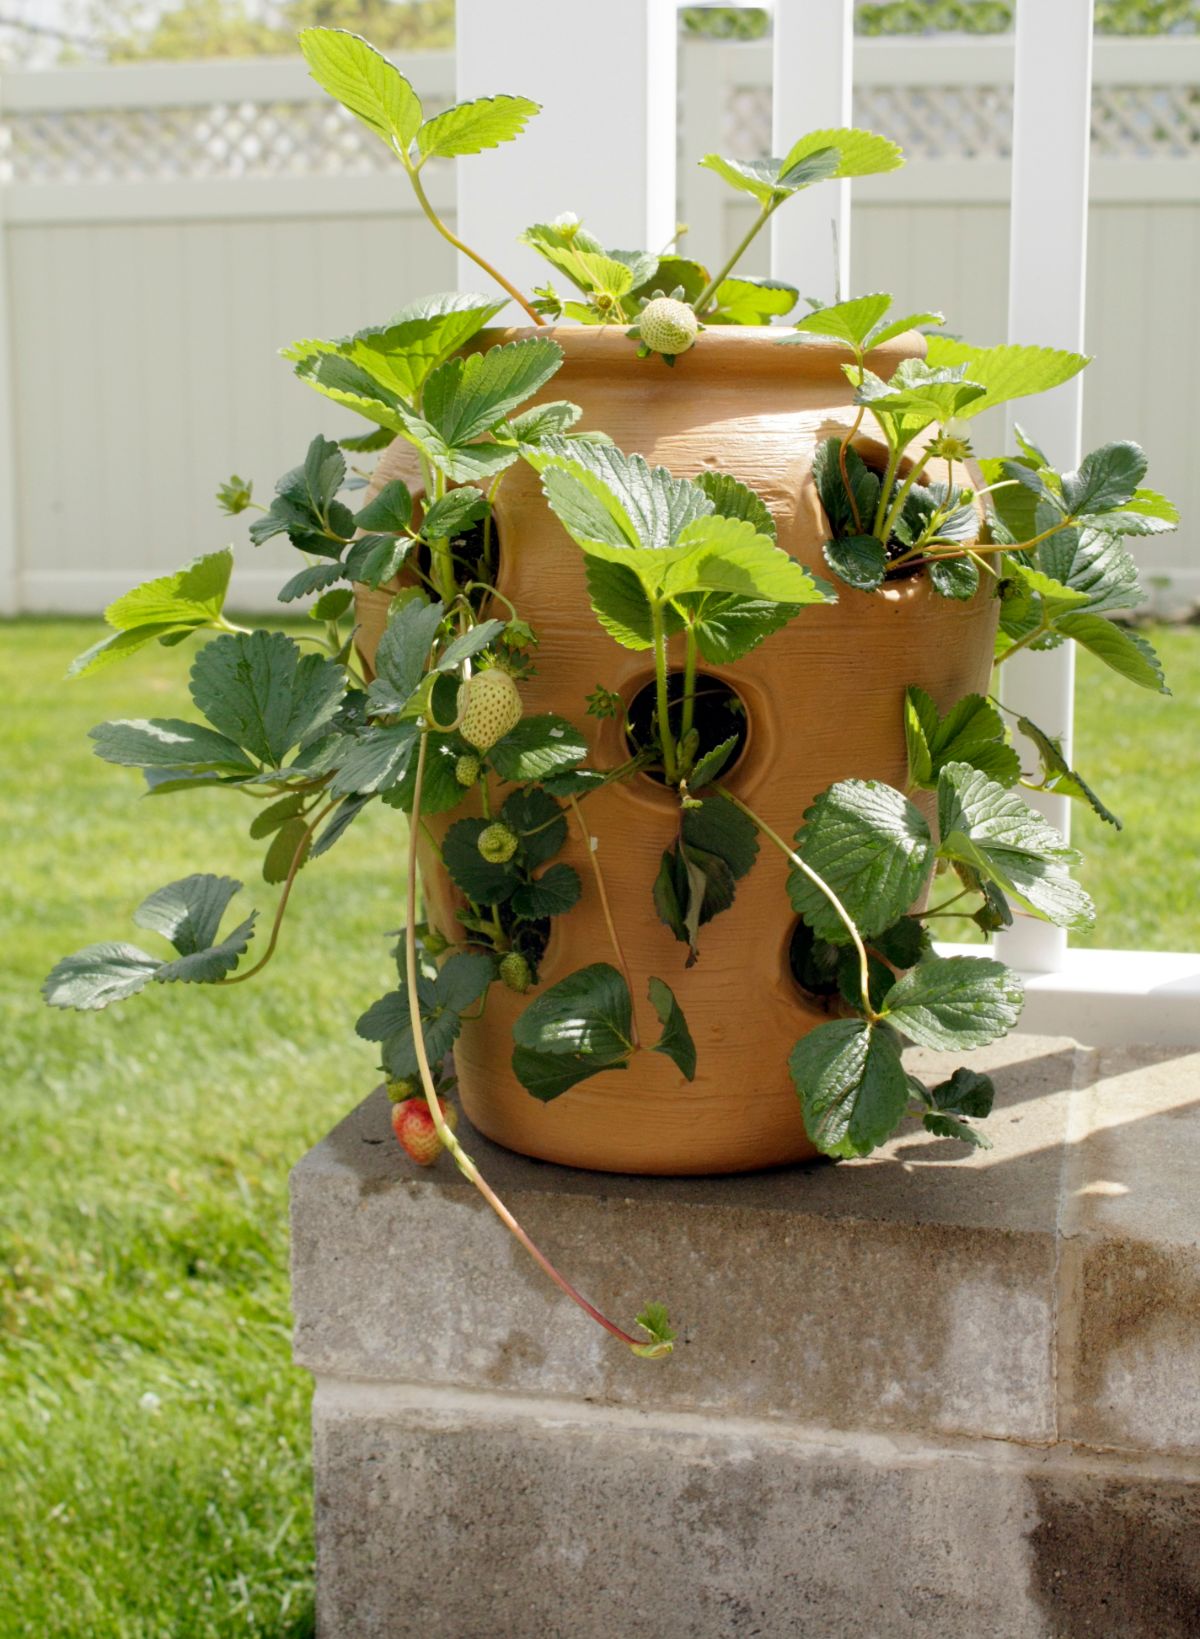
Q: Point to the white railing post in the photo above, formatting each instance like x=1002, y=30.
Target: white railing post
x=10, y=556
x=813, y=62
x=1052, y=97
x=603, y=145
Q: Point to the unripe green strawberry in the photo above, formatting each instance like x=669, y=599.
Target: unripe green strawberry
x=413, y=1126
x=667, y=326
x=403, y=1087
x=489, y=705
x=515, y=972
x=466, y=769
x=497, y=843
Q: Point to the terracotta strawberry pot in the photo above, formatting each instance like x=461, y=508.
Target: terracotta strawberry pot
x=824, y=702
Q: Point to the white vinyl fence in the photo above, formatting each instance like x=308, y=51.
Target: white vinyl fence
x=164, y=228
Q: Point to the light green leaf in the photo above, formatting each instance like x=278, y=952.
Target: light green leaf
x=257, y=690
x=470, y=127
x=757, y=177
x=190, y=598
x=650, y=506
x=850, y=321
x=852, y=1086
x=728, y=627
x=466, y=396
x=399, y=356
x=991, y=831
x=676, y=1040
x=1145, y=513
x=871, y=846
x=750, y=301
x=1006, y=372
x=860, y=153
x=717, y=554
x=347, y=384
x=580, y=257
x=733, y=499
x=362, y=80
x=956, y=1002
x=551, y=420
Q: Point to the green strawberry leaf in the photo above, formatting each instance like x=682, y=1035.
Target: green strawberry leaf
x=1059, y=776
x=1005, y=372
x=852, y=1086
x=553, y=893
x=467, y=395
x=872, y=847
x=578, y=1028
x=97, y=975
x=991, y=832
x=470, y=127
x=259, y=691
x=676, y=1040
x=1126, y=652
x=191, y=598
x=733, y=499
x=751, y=301
x=955, y=1002
x=972, y=731
x=362, y=80
x=538, y=747
x=859, y=560
x=168, y=742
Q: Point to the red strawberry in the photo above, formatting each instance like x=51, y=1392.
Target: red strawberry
x=413, y=1126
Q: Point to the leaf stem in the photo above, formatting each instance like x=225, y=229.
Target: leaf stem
x=670, y=761
x=885, y=490
x=842, y=448
x=819, y=882
x=297, y=860
x=608, y=915
x=711, y=288
x=480, y=261
x=902, y=493
x=689, y=684
x=460, y=1157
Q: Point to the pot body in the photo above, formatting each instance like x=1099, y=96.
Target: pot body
x=824, y=702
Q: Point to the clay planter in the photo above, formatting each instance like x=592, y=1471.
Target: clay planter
x=824, y=702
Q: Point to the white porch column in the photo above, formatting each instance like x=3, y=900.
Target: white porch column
x=1052, y=97
x=813, y=57
x=603, y=145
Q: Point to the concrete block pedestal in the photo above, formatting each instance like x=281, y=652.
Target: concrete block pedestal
x=928, y=1395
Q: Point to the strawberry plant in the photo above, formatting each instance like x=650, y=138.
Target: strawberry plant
x=304, y=737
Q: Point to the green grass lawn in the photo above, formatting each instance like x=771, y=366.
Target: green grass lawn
x=154, y=1433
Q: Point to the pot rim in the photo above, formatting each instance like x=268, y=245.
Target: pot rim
x=744, y=350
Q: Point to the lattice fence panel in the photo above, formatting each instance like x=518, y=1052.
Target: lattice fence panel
x=287, y=139
x=224, y=140
x=953, y=122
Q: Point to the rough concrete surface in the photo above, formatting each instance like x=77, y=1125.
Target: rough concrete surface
x=931, y=1393
x=495, y=1518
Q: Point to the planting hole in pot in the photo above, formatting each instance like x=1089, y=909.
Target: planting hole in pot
x=874, y=456
x=813, y=964
x=719, y=715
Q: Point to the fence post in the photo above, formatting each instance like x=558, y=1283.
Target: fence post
x=1052, y=95
x=603, y=145
x=813, y=62
x=10, y=557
